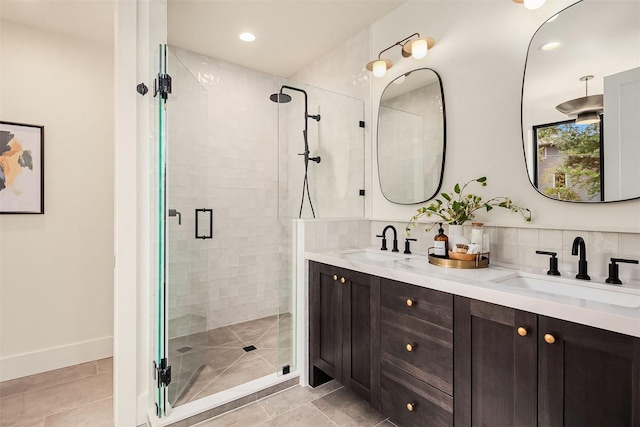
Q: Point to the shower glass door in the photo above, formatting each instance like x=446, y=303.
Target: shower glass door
x=182, y=289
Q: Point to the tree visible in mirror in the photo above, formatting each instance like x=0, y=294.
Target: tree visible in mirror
x=456, y=207
x=574, y=173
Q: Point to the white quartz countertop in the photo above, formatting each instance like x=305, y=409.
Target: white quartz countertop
x=582, y=306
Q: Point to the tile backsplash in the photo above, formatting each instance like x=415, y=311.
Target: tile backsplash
x=509, y=245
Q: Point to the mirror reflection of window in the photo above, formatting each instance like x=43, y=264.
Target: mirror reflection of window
x=592, y=38
x=569, y=163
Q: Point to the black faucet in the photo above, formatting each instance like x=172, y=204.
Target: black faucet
x=578, y=244
x=384, y=238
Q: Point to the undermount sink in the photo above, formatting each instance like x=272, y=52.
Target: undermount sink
x=606, y=294
x=373, y=256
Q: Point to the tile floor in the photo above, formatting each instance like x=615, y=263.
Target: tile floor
x=82, y=397
x=79, y=395
x=204, y=364
x=328, y=405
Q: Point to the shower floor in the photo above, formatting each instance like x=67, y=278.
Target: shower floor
x=209, y=362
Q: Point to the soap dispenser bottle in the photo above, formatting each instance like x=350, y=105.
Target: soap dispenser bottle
x=440, y=244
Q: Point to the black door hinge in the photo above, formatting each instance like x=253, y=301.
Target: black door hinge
x=162, y=85
x=361, y=123
x=361, y=192
x=162, y=373
x=286, y=369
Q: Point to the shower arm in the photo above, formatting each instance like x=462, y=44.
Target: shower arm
x=306, y=108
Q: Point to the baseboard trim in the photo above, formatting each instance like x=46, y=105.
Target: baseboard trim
x=22, y=365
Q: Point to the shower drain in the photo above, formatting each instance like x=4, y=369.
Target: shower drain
x=249, y=348
x=183, y=349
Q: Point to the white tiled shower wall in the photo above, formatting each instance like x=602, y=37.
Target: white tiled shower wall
x=234, y=151
x=227, y=162
x=509, y=245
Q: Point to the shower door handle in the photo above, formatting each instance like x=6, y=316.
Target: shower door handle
x=173, y=212
x=204, y=234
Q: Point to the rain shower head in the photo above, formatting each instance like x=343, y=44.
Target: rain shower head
x=280, y=98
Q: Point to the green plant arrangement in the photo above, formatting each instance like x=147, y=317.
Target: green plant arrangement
x=458, y=207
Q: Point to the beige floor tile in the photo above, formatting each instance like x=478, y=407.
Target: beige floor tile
x=45, y=379
x=220, y=336
x=33, y=423
x=105, y=365
x=222, y=357
x=347, y=409
x=98, y=414
x=55, y=398
x=303, y=416
x=249, y=332
x=203, y=379
x=247, y=368
x=247, y=416
x=294, y=397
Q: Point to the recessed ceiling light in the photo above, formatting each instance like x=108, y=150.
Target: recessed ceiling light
x=247, y=37
x=549, y=46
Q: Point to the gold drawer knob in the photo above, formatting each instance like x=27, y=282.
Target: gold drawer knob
x=410, y=407
x=409, y=303
x=550, y=339
x=409, y=347
x=342, y=280
x=335, y=277
x=522, y=331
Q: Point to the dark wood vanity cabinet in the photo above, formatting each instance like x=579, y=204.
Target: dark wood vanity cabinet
x=344, y=325
x=496, y=374
x=587, y=376
x=518, y=368
x=417, y=354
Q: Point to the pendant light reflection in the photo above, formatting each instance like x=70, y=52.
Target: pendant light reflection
x=531, y=4
x=586, y=109
x=416, y=48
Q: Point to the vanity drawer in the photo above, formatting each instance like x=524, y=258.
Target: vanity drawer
x=421, y=349
x=426, y=304
x=429, y=406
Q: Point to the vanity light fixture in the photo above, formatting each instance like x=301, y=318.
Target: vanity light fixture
x=586, y=109
x=417, y=48
x=531, y=4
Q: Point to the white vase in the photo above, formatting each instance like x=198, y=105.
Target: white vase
x=456, y=236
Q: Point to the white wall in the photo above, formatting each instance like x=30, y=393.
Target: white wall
x=56, y=269
x=480, y=53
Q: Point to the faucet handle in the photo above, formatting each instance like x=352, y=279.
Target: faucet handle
x=407, y=245
x=384, y=242
x=553, y=262
x=614, y=270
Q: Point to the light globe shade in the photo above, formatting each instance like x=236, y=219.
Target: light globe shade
x=419, y=48
x=379, y=68
x=533, y=4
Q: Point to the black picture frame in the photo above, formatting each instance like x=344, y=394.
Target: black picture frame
x=21, y=168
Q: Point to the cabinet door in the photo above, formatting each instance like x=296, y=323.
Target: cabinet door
x=361, y=335
x=325, y=323
x=587, y=376
x=495, y=367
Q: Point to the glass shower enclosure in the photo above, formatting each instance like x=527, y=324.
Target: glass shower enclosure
x=228, y=178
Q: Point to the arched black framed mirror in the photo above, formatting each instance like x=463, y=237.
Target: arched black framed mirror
x=411, y=137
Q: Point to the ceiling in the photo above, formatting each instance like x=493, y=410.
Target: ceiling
x=289, y=33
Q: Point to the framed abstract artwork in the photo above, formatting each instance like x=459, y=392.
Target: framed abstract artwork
x=21, y=168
